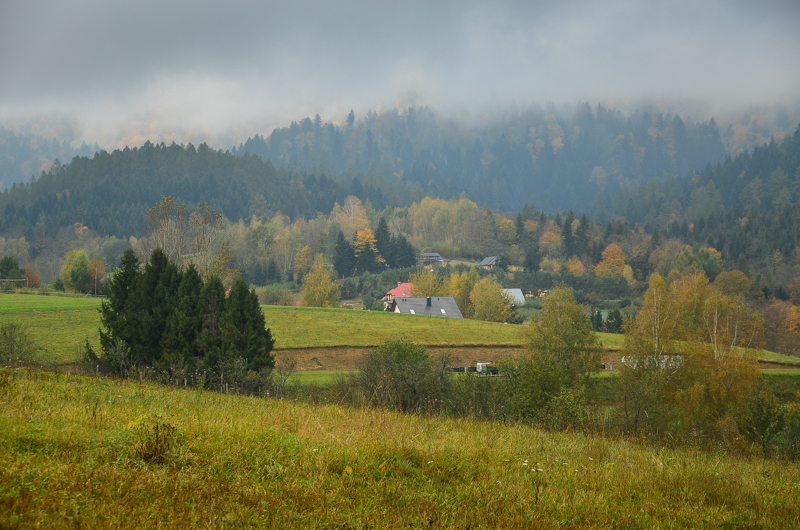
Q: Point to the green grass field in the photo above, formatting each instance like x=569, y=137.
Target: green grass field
x=60, y=324
x=73, y=453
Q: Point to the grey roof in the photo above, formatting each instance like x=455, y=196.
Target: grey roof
x=517, y=296
x=441, y=306
x=488, y=262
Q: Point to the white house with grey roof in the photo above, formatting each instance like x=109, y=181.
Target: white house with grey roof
x=440, y=306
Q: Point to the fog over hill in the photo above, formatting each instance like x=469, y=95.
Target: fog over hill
x=123, y=73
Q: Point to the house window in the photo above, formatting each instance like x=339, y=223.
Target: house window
x=412, y=311
x=443, y=311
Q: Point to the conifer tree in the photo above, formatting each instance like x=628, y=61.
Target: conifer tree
x=209, y=340
x=118, y=313
x=243, y=329
x=343, y=256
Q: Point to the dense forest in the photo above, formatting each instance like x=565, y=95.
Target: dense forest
x=26, y=154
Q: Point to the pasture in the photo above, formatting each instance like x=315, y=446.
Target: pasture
x=60, y=324
x=83, y=452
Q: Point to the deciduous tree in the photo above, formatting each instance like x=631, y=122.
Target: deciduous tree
x=318, y=287
x=489, y=302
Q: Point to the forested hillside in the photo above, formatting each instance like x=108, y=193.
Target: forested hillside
x=111, y=192
x=556, y=158
x=747, y=205
x=26, y=155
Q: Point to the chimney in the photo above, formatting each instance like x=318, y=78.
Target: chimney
x=428, y=301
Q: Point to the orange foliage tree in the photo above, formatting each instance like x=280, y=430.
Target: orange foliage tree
x=612, y=264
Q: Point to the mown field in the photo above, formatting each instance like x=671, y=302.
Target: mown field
x=60, y=324
x=79, y=452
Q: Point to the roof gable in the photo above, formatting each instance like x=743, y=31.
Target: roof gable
x=441, y=306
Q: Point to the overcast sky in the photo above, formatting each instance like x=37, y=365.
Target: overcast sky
x=128, y=71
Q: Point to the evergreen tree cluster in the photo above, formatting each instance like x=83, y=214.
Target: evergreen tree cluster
x=173, y=321
x=396, y=252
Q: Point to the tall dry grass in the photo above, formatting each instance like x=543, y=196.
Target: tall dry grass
x=70, y=455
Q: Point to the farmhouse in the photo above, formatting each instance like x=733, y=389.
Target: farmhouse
x=440, y=306
x=488, y=263
x=403, y=290
x=433, y=258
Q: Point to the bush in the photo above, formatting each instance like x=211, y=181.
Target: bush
x=274, y=295
x=16, y=345
x=155, y=441
x=401, y=375
x=790, y=436
x=761, y=418
x=349, y=288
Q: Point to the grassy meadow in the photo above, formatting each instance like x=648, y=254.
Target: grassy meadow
x=82, y=452
x=60, y=324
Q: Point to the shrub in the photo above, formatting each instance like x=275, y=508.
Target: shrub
x=401, y=375
x=155, y=441
x=790, y=436
x=761, y=418
x=16, y=345
x=274, y=295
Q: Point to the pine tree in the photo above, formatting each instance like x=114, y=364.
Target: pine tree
x=384, y=242
x=178, y=342
x=156, y=293
x=273, y=274
x=209, y=340
x=118, y=313
x=344, y=257
x=243, y=329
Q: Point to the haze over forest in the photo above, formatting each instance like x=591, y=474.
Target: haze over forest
x=122, y=74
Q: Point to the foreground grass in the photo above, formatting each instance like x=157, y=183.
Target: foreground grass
x=67, y=458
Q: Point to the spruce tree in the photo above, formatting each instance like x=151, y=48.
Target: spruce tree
x=243, y=329
x=384, y=242
x=178, y=342
x=119, y=313
x=209, y=340
x=344, y=256
x=273, y=274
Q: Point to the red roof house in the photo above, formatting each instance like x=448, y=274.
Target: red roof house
x=403, y=290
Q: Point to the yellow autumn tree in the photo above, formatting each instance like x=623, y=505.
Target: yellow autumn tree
x=318, y=287
x=351, y=216
x=427, y=283
x=612, y=264
x=366, y=251
x=461, y=285
x=489, y=301
x=97, y=271
x=303, y=261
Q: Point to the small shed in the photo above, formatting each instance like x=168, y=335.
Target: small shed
x=440, y=306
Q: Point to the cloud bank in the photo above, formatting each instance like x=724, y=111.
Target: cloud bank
x=135, y=70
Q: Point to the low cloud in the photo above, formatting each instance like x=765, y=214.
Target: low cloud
x=223, y=70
